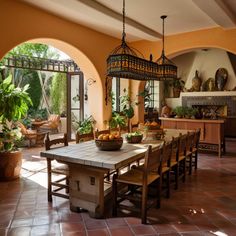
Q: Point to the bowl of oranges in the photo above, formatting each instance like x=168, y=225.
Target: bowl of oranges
x=109, y=142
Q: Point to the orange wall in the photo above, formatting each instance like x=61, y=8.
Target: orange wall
x=21, y=22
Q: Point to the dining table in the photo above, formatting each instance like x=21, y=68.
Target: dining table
x=88, y=165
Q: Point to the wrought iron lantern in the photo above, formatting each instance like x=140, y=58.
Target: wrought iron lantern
x=167, y=70
x=127, y=62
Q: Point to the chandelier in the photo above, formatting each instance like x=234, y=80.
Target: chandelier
x=127, y=62
x=167, y=70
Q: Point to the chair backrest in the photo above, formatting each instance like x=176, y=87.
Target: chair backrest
x=166, y=153
x=98, y=132
x=190, y=141
x=182, y=144
x=49, y=143
x=83, y=137
x=152, y=160
x=196, y=138
x=175, y=147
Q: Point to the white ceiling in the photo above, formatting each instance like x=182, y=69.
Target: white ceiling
x=143, y=16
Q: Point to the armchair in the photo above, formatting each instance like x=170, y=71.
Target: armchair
x=33, y=136
x=52, y=124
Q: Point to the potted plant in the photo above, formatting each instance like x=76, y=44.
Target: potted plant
x=179, y=111
x=126, y=105
x=176, y=84
x=85, y=126
x=117, y=121
x=14, y=104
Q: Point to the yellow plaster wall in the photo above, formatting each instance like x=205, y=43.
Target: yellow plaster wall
x=89, y=49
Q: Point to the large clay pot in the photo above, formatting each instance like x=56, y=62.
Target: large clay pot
x=10, y=165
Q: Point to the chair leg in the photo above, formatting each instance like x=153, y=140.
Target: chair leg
x=114, y=193
x=168, y=184
x=190, y=164
x=177, y=176
x=184, y=169
x=159, y=187
x=195, y=159
x=144, y=205
x=49, y=167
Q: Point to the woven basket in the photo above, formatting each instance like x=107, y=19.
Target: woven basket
x=109, y=145
x=134, y=139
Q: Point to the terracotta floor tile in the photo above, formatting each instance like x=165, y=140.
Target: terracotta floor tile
x=21, y=222
x=92, y=224
x=143, y=229
x=72, y=227
x=98, y=232
x=53, y=229
x=121, y=231
x=19, y=231
x=116, y=222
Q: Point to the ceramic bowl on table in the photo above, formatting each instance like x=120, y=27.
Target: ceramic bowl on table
x=109, y=145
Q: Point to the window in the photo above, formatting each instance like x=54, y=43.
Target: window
x=115, y=94
x=152, y=88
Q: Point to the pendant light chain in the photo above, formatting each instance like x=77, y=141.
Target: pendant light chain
x=163, y=34
x=123, y=34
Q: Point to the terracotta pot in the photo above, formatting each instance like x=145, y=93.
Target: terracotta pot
x=10, y=165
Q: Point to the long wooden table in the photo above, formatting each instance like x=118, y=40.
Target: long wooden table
x=87, y=166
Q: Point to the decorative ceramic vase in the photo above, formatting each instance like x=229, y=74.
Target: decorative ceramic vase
x=196, y=82
x=221, y=77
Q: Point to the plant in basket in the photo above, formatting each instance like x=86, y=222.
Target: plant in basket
x=135, y=137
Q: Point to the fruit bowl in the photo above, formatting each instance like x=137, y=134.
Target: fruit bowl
x=109, y=145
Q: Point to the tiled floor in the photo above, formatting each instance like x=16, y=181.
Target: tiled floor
x=204, y=205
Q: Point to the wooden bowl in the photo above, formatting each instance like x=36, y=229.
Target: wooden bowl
x=109, y=145
x=134, y=139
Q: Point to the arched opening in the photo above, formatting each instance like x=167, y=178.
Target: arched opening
x=92, y=90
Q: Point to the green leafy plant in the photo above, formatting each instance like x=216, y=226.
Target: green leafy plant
x=179, y=111
x=117, y=121
x=85, y=126
x=14, y=103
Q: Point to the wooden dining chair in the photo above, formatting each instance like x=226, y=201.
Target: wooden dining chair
x=189, y=149
x=61, y=183
x=174, y=163
x=83, y=137
x=195, y=148
x=135, y=179
x=166, y=166
x=181, y=156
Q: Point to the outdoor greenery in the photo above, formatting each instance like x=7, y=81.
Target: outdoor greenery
x=58, y=93
x=14, y=104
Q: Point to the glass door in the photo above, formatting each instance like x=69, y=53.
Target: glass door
x=75, y=102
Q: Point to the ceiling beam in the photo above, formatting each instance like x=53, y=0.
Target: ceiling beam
x=111, y=13
x=218, y=11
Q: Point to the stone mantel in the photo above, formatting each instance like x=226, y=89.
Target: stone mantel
x=208, y=94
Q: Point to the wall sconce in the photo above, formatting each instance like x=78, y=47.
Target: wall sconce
x=88, y=82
